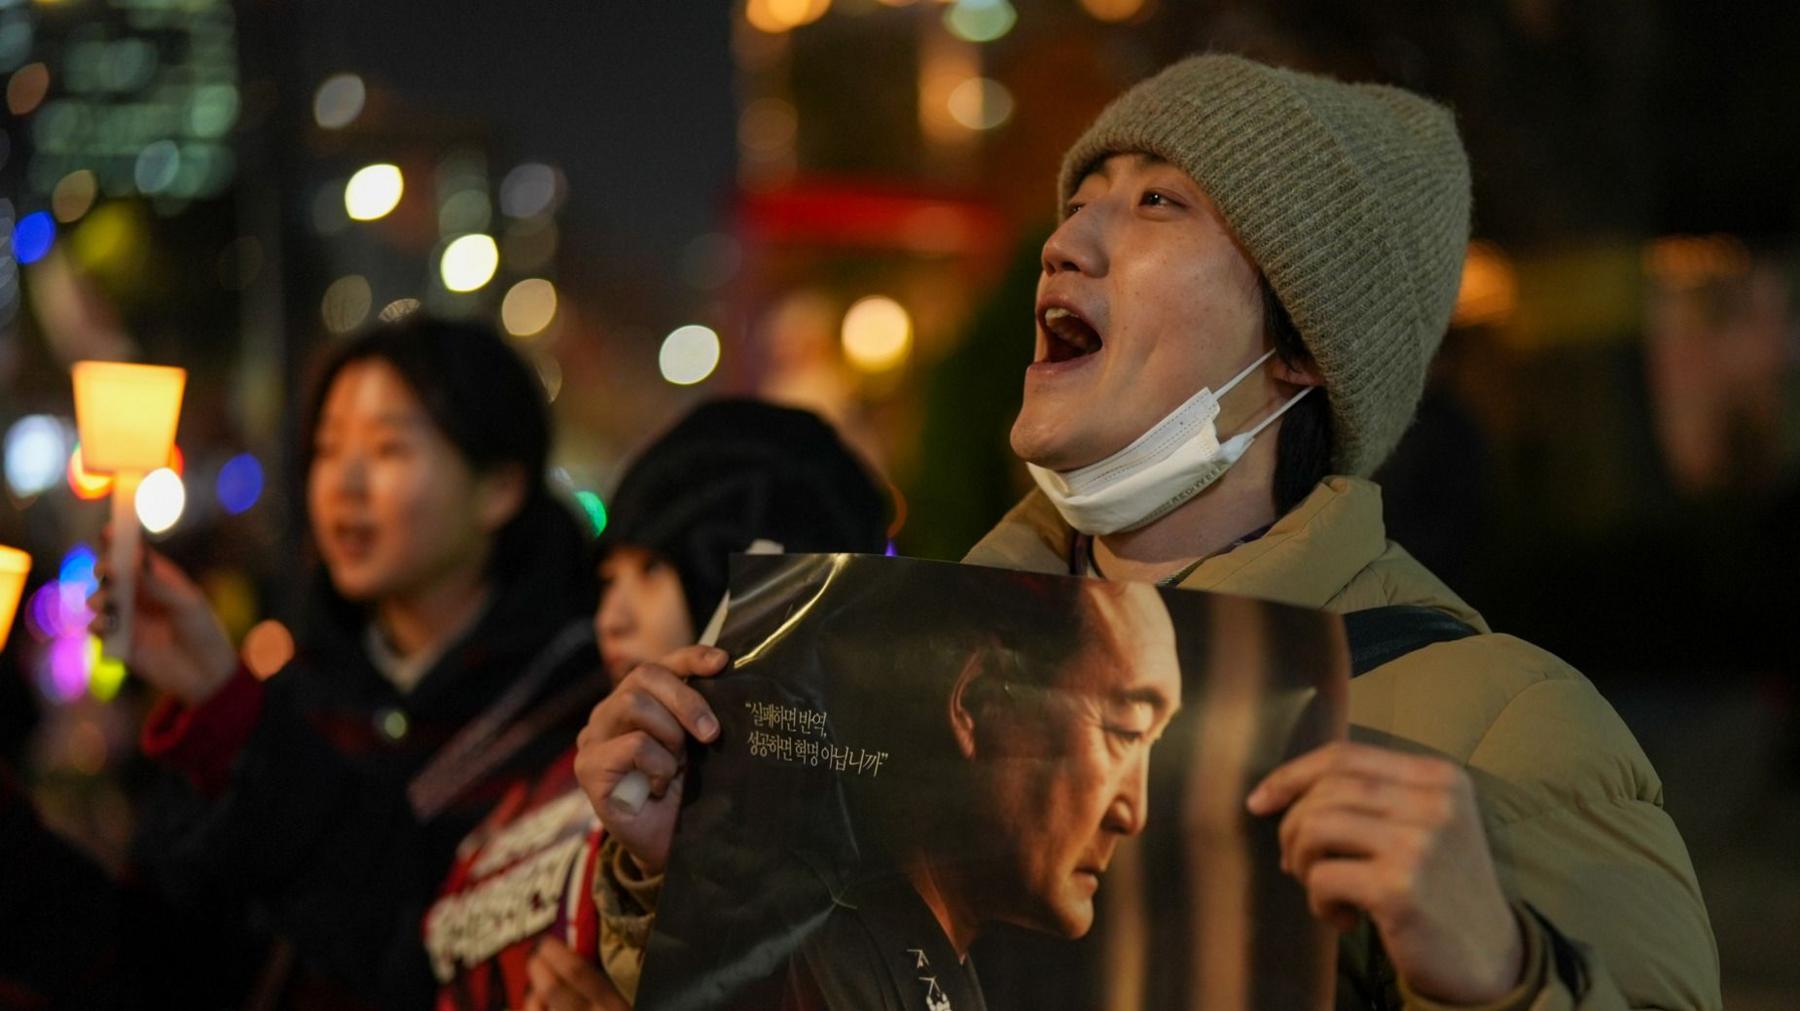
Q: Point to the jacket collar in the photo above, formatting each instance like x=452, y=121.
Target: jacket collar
x=1305, y=559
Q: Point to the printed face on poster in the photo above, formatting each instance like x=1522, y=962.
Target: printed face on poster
x=948, y=787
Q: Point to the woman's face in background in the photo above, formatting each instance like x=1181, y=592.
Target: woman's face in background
x=643, y=612
x=394, y=507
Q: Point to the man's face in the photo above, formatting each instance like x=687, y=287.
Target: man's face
x=1063, y=766
x=1145, y=297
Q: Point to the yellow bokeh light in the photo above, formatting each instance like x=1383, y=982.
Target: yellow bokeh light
x=776, y=16
x=87, y=485
x=469, y=262
x=689, y=354
x=1113, y=10
x=1490, y=288
x=373, y=191
x=980, y=103
x=529, y=307
x=877, y=334
x=110, y=240
x=106, y=674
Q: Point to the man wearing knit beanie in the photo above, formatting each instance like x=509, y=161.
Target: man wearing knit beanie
x=1235, y=315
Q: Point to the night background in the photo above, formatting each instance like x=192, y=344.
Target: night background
x=838, y=205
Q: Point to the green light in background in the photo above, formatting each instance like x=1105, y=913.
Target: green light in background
x=595, y=509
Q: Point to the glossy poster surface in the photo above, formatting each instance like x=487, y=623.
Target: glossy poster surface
x=947, y=787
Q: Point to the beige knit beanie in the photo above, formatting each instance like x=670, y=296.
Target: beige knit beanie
x=1353, y=199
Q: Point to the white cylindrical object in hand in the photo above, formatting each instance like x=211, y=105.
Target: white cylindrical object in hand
x=121, y=567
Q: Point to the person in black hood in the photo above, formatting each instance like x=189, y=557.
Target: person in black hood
x=444, y=654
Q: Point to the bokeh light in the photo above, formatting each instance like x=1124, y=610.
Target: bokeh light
x=67, y=663
x=267, y=648
x=981, y=103
x=1489, y=291
x=529, y=190
x=1113, y=10
x=87, y=485
x=106, y=674
x=594, y=507
x=877, y=334
x=776, y=16
x=77, y=568
x=74, y=195
x=35, y=450
x=469, y=262
x=529, y=307
x=27, y=88
x=768, y=126
x=464, y=211
x=689, y=354
x=339, y=101
x=161, y=499
x=32, y=236
x=550, y=373
x=980, y=20
x=58, y=609
x=157, y=167
x=346, y=303
x=398, y=309
x=373, y=191
x=240, y=483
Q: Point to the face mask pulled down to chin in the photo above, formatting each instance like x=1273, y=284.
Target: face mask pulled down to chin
x=1178, y=458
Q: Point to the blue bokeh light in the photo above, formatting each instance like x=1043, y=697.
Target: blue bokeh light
x=240, y=483
x=33, y=235
x=78, y=568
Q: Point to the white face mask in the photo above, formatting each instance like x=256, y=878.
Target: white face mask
x=1172, y=462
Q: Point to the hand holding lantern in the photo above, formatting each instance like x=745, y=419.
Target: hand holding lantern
x=127, y=415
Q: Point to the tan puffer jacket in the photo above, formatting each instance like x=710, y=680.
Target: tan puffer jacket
x=1572, y=808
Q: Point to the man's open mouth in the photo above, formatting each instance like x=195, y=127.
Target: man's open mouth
x=1067, y=335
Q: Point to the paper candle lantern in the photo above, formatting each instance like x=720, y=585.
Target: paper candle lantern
x=14, y=565
x=127, y=416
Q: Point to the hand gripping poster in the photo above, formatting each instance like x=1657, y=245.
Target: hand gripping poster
x=947, y=788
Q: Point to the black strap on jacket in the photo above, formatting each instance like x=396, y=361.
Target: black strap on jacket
x=1381, y=634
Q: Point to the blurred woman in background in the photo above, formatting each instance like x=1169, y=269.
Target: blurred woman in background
x=444, y=654
x=539, y=900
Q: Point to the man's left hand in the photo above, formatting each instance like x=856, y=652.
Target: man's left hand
x=1398, y=837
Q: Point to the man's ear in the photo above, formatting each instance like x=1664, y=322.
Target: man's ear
x=499, y=495
x=1302, y=371
x=963, y=695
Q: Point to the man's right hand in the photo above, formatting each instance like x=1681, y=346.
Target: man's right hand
x=643, y=726
x=177, y=643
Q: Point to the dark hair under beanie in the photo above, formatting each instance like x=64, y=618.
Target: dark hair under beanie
x=733, y=471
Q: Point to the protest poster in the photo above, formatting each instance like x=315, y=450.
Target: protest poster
x=948, y=787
